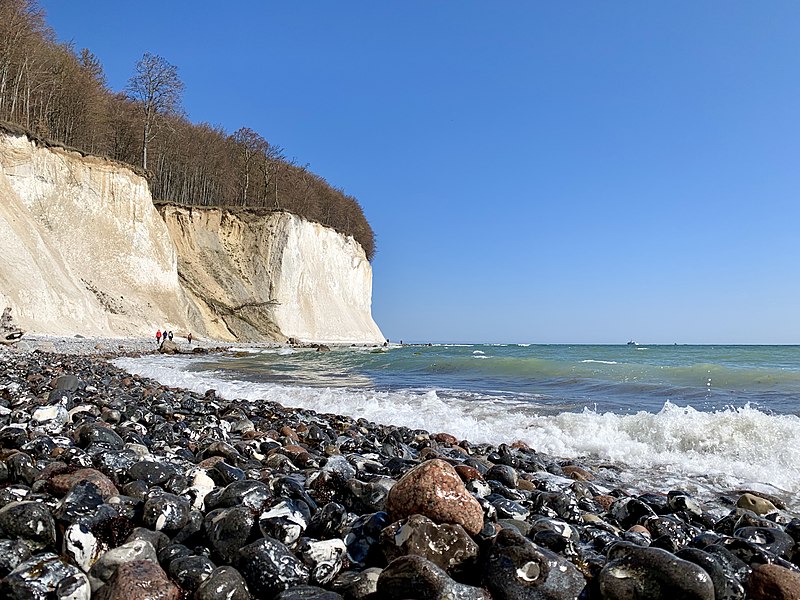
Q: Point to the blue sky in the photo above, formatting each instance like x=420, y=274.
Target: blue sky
x=534, y=172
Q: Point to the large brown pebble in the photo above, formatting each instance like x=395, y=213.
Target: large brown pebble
x=139, y=580
x=772, y=582
x=64, y=482
x=435, y=490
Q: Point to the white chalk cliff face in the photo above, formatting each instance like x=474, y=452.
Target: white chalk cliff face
x=84, y=251
x=247, y=268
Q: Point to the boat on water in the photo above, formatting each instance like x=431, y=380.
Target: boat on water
x=632, y=343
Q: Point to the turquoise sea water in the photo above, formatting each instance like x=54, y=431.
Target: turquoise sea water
x=700, y=417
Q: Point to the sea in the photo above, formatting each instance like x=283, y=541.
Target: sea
x=708, y=420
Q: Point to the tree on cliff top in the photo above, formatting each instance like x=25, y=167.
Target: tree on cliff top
x=157, y=89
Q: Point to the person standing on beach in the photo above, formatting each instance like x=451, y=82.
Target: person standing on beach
x=170, y=336
x=158, y=336
x=189, y=337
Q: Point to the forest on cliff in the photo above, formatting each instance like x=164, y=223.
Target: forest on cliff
x=60, y=94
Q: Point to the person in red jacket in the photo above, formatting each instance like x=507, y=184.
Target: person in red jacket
x=158, y=336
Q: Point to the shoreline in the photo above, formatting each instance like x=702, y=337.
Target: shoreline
x=341, y=461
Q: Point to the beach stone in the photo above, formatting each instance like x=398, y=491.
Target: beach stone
x=416, y=577
x=189, y=572
x=223, y=582
x=93, y=433
x=151, y=472
x=157, y=539
x=635, y=572
x=357, y=585
x=773, y=582
x=139, y=580
x=286, y=521
x=447, y=546
x=74, y=587
x=506, y=475
x=630, y=511
x=328, y=522
x=307, y=592
x=12, y=554
x=770, y=539
x=726, y=583
x=269, y=567
x=760, y=506
x=324, y=558
x=62, y=483
x=362, y=539
x=166, y=512
x=435, y=490
x=108, y=563
x=81, y=546
x=227, y=530
x=50, y=418
x=514, y=568
x=30, y=521
x=68, y=383
x=39, y=578
x=255, y=495
x=169, y=347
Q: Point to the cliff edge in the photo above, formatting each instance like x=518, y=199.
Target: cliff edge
x=86, y=252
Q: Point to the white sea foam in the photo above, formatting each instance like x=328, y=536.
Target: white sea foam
x=676, y=447
x=601, y=362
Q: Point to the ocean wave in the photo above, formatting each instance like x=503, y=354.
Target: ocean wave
x=673, y=447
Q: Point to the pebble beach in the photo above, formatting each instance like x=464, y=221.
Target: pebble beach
x=115, y=486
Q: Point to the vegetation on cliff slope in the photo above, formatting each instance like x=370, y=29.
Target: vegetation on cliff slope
x=59, y=93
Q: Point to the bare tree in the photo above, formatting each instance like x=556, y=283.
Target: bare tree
x=157, y=89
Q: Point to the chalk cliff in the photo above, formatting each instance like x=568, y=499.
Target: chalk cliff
x=84, y=251
x=247, y=268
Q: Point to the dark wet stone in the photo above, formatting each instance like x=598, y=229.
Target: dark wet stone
x=227, y=530
x=253, y=494
x=152, y=473
x=770, y=539
x=447, y=546
x=357, y=585
x=516, y=568
x=269, y=567
x=12, y=553
x=629, y=512
x=223, y=582
x=22, y=468
x=166, y=512
x=416, y=577
x=324, y=558
x=30, y=521
x=726, y=585
x=13, y=437
x=157, y=539
x=191, y=533
x=754, y=554
x=328, y=522
x=286, y=521
x=368, y=496
x=172, y=552
x=635, y=572
x=93, y=433
x=139, y=580
x=362, y=540
x=223, y=474
x=81, y=505
x=38, y=577
x=508, y=509
x=505, y=474
x=189, y=572
x=307, y=592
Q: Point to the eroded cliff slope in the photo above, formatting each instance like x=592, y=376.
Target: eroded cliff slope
x=245, y=269
x=84, y=251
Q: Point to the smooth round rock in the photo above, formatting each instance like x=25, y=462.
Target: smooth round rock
x=447, y=546
x=40, y=576
x=137, y=550
x=269, y=567
x=140, y=580
x=30, y=521
x=228, y=530
x=223, y=582
x=760, y=506
x=416, y=577
x=166, y=512
x=307, y=592
x=635, y=572
x=435, y=490
x=772, y=582
x=189, y=572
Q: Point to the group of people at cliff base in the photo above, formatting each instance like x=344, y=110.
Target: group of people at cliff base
x=168, y=335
